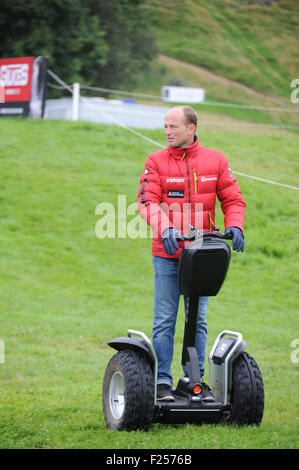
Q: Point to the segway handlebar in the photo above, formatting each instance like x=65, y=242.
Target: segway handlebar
x=223, y=236
x=194, y=234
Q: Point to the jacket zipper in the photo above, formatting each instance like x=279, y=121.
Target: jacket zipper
x=212, y=223
x=189, y=205
x=195, y=180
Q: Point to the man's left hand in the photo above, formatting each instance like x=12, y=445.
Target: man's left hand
x=238, y=238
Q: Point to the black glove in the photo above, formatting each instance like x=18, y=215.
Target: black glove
x=169, y=241
x=238, y=238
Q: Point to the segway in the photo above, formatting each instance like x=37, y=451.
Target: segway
x=130, y=381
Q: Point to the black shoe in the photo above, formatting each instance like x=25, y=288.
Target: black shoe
x=164, y=392
x=206, y=392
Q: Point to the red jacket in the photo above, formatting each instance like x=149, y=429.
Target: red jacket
x=176, y=180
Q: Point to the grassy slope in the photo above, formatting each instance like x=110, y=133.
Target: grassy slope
x=248, y=43
x=65, y=293
x=163, y=71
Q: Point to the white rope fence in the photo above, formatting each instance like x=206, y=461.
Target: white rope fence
x=138, y=134
x=156, y=97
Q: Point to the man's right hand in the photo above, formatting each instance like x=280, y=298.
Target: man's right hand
x=169, y=239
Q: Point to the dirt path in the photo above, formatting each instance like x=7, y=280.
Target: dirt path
x=218, y=78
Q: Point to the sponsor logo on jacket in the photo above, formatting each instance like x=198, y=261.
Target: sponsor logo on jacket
x=204, y=178
x=175, y=180
x=179, y=193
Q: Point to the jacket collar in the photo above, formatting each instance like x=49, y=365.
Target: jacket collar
x=190, y=151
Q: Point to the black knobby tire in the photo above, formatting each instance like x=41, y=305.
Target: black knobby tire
x=128, y=392
x=247, y=395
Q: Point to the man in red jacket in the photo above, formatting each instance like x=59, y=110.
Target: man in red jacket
x=178, y=187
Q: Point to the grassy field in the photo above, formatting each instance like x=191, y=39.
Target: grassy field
x=65, y=293
x=241, y=40
x=240, y=52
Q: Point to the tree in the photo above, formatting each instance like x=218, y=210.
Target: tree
x=130, y=39
x=92, y=41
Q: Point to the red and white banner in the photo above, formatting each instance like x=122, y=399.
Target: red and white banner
x=16, y=75
x=23, y=86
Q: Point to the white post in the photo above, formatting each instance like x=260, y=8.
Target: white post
x=76, y=98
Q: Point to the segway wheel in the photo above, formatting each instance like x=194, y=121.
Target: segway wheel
x=128, y=392
x=247, y=395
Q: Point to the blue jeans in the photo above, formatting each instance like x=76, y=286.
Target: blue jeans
x=166, y=303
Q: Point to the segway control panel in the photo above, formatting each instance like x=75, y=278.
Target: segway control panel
x=203, y=268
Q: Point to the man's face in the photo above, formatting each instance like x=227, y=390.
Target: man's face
x=178, y=133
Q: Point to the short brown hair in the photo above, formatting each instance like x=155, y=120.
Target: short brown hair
x=190, y=115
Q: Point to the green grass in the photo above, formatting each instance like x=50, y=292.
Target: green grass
x=65, y=293
x=160, y=73
x=246, y=42
x=243, y=41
